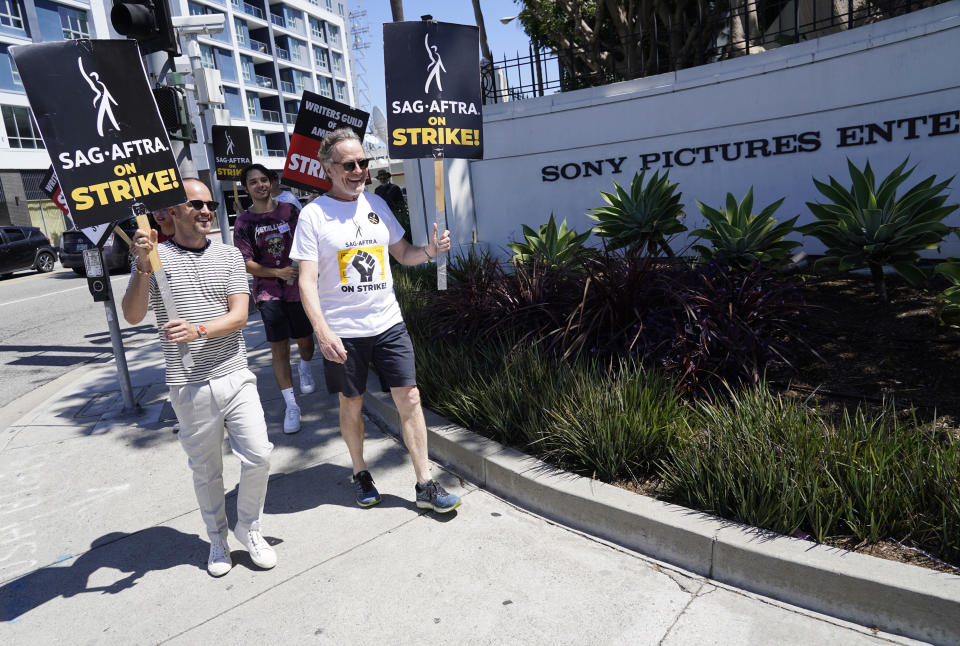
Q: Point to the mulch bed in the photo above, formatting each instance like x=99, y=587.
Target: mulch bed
x=861, y=351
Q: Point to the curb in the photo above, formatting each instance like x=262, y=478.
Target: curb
x=886, y=595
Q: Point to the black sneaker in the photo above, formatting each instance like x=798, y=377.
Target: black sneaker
x=367, y=494
x=432, y=496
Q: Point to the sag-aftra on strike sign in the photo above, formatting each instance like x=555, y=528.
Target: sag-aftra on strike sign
x=101, y=127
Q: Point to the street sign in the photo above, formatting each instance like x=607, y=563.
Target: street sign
x=432, y=72
x=231, y=151
x=318, y=115
x=101, y=127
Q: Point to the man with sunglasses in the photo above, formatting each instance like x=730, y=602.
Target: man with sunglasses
x=209, y=284
x=342, y=241
x=263, y=234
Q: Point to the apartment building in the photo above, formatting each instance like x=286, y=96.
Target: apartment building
x=269, y=52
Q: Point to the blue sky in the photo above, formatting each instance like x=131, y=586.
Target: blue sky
x=504, y=39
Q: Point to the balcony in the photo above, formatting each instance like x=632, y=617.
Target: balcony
x=287, y=86
x=278, y=20
x=282, y=53
x=265, y=81
x=257, y=46
x=247, y=8
x=276, y=152
x=270, y=115
x=292, y=118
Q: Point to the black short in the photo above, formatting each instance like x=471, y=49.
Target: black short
x=284, y=320
x=391, y=353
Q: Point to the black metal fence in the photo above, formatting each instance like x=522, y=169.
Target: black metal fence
x=714, y=31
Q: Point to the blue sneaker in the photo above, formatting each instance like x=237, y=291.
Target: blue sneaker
x=367, y=494
x=432, y=496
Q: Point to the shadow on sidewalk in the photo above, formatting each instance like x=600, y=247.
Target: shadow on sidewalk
x=157, y=548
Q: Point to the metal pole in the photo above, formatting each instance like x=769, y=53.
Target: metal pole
x=130, y=406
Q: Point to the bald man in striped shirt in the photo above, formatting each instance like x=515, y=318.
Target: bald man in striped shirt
x=209, y=284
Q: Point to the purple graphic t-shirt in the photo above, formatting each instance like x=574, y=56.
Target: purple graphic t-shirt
x=265, y=238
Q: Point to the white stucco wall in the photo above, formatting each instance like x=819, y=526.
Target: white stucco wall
x=814, y=96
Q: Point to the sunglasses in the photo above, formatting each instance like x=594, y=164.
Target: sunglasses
x=350, y=165
x=198, y=204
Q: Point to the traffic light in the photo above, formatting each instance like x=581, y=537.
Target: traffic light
x=173, y=110
x=147, y=21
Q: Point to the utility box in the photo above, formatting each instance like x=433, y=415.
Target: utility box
x=209, y=87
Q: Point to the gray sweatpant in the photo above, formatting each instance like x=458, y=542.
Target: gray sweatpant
x=204, y=410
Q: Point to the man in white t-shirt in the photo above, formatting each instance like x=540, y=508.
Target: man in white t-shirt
x=342, y=241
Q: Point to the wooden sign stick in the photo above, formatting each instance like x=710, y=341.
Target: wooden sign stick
x=166, y=294
x=441, y=221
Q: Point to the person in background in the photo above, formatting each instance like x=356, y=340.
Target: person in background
x=263, y=234
x=389, y=191
x=281, y=195
x=219, y=392
x=342, y=241
x=164, y=225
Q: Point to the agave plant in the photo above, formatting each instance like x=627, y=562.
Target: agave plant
x=740, y=238
x=643, y=219
x=550, y=245
x=868, y=226
x=949, y=299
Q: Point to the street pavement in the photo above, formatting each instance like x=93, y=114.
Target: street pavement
x=101, y=543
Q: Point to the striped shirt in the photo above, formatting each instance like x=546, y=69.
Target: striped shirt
x=201, y=280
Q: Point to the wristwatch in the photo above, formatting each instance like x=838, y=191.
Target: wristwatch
x=202, y=331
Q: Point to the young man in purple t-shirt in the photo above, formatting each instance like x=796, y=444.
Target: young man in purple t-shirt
x=264, y=234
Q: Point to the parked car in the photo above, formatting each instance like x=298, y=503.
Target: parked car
x=116, y=252
x=23, y=248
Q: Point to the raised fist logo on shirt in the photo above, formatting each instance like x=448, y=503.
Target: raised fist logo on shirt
x=364, y=263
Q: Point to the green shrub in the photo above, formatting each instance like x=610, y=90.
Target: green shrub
x=614, y=423
x=948, y=301
x=741, y=238
x=551, y=245
x=868, y=226
x=642, y=220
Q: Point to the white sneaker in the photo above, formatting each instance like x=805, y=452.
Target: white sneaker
x=307, y=384
x=219, y=562
x=291, y=420
x=261, y=553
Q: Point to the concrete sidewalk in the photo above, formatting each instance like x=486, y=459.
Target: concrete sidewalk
x=99, y=543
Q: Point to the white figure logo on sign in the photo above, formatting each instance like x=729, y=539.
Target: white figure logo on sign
x=101, y=99
x=229, y=143
x=435, y=66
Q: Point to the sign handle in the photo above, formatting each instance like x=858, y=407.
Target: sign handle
x=166, y=294
x=441, y=220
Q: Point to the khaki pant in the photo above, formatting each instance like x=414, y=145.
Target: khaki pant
x=204, y=411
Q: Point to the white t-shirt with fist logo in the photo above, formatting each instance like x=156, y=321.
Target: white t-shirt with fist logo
x=350, y=241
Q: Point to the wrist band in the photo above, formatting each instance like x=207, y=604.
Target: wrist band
x=427, y=253
x=144, y=273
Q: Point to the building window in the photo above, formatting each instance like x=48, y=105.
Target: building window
x=340, y=9
x=14, y=72
x=207, y=57
x=252, y=105
x=316, y=29
x=10, y=14
x=21, y=130
x=240, y=27
x=334, y=35
x=246, y=68
x=337, y=63
x=74, y=23
x=320, y=58
x=324, y=87
x=329, y=4
x=341, y=91
x=258, y=137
